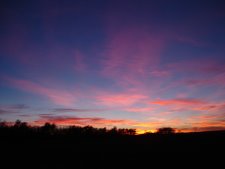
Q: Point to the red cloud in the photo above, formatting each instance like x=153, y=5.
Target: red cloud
x=94, y=121
x=184, y=104
x=220, y=107
x=207, y=122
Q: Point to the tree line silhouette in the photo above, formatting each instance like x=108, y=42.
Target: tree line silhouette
x=51, y=129
x=20, y=136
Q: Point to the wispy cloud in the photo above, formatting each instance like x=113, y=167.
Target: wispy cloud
x=130, y=53
x=71, y=120
x=5, y=111
x=217, y=80
x=160, y=73
x=13, y=108
x=60, y=97
x=203, y=66
x=202, y=124
x=178, y=101
x=139, y=109
x=118, y=100
x=183, y=104
x=212, y=107
x=205, y=122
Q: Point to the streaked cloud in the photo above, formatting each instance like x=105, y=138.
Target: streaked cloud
x=130, y=53
x=120, y=99
x=178, y=101
x=81, y=121
x=13, y=108
x=66, y=110
x=60, y=97
x=139, y=109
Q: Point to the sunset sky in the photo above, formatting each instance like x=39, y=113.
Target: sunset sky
x=126, y=63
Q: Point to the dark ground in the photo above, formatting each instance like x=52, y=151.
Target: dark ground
x=29, y=150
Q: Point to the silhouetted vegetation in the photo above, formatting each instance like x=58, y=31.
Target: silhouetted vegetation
x=166, y=130
x=91, y=146
x=49, y=129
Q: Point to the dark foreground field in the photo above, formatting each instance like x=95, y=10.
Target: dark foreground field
x=29, y=149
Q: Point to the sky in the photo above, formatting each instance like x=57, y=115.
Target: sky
x=141, y=64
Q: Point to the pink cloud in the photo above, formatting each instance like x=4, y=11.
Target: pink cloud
x=60, y=97
x=140, y=109
x=201, y=66
x=212, y=107
x=160, y=73
x=183, y=101
x=203, y=123
x=207, y=122
x=195, y=73
x=123, y=99
x=218, y=80
x=200, y=105
x=193, y=123
x=182, y=104
x=131, y=52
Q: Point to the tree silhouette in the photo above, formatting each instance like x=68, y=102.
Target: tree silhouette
x=131, y=131
x=48, y=128
x=113, y=131
x=3, y=124
x=20, y=125
x=166, y=130
x=17, y=123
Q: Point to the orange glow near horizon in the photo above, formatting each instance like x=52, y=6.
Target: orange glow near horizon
x=142, y=131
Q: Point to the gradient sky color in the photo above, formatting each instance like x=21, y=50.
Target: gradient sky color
x=125, y=63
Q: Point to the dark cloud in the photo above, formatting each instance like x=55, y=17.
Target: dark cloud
x=25, y=115
x=45, y=114
x=213, y=128
x=4, y=111
x=66, y=110
x=51, y=117
x=14, y=108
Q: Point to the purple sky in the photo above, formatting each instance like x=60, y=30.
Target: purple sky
x=125, y=63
